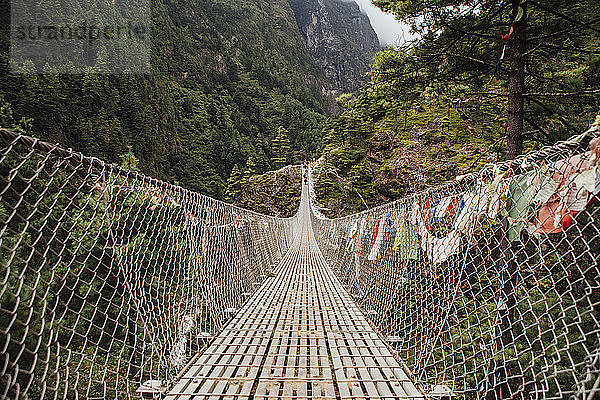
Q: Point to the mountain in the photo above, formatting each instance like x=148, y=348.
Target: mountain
x=340, y=38
x=225, y=75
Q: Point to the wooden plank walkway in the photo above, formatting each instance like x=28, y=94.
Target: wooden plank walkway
x=300, y=336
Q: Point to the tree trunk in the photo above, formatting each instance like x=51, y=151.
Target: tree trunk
x=517, y=46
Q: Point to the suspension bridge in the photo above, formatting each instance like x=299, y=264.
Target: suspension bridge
x=299, y=336
x=115, y=285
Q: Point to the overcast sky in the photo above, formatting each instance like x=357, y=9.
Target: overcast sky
x=389, y=30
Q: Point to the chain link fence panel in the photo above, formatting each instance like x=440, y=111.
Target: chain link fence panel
x=487, y=287
x=110, y=279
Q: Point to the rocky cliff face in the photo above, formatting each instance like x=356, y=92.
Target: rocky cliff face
x=340, y=38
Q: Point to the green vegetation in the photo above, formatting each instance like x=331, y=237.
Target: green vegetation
x=281, y=148
x=449, y=103
x=74, y=280
x=225, y=75
x=95, y=259
x=233, y=93
x=273, y=193
x=384, y=147
x=234, y=184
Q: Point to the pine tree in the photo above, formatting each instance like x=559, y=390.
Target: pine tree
x=6, y=114
x=7, y=120
x=234, y=184
x=281, y=148
x=285, y=147
x=129, y=160
x=249, y=171
x=276, y=148
x=536, y=50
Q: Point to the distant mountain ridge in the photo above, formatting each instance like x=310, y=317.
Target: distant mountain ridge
x=340, y=38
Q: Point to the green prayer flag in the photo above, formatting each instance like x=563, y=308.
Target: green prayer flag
x=409, y=242
x=517, y=203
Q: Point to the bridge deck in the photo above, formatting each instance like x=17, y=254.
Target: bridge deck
x=300, y=336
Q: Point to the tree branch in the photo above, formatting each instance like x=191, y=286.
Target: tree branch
x=564, y=16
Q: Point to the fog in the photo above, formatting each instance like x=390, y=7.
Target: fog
x=390, y=31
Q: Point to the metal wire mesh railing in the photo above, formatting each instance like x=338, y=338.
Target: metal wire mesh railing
x=488, y=287
x=110, y=279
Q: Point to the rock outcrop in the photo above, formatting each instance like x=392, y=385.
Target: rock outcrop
x=340, y=38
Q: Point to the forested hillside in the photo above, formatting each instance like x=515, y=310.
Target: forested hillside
x=485, y=82
x=225, y=76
